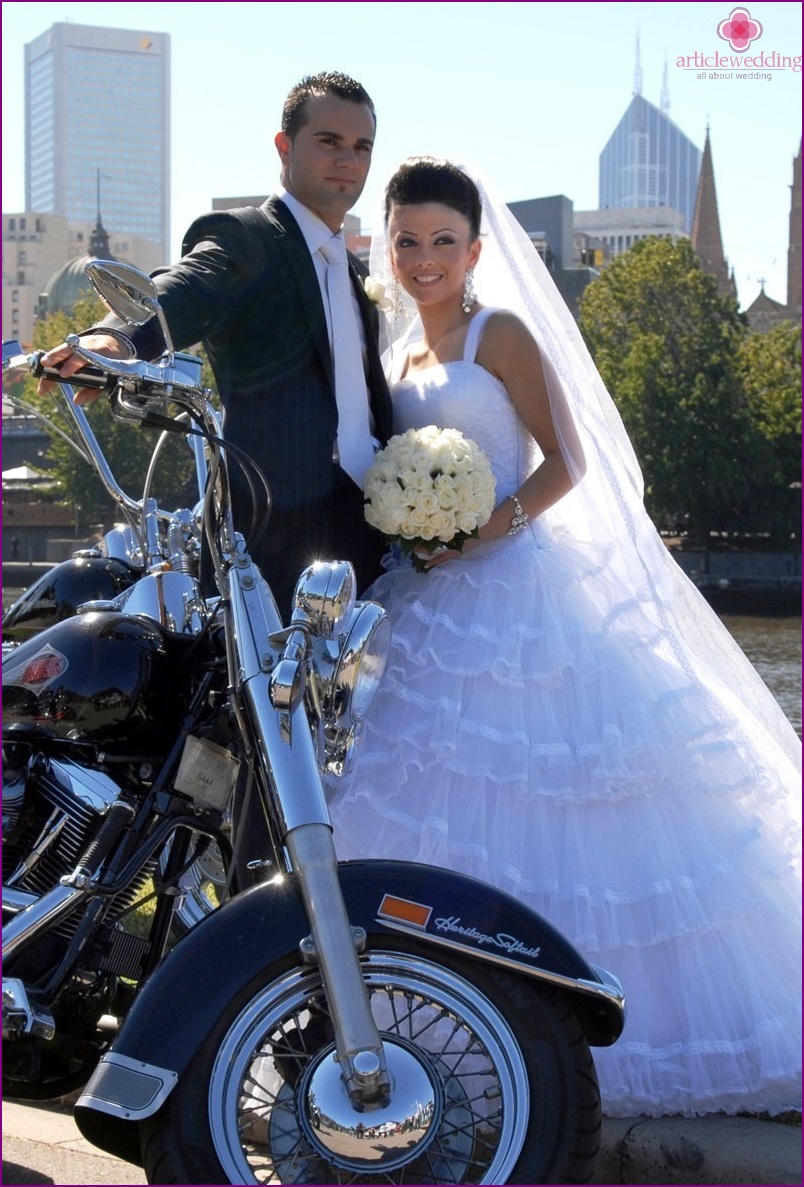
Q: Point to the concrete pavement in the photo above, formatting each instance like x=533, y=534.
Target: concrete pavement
x=42, y=1145
x=713, y=1149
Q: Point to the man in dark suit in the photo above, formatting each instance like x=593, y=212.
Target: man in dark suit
x=251, y=285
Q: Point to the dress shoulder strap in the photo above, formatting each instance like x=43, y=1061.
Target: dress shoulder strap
x=475, y=333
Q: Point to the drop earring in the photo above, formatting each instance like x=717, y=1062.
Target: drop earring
x=469, y=294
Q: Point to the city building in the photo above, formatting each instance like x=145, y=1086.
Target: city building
x=548, y=223
x=70, y=283
x=648, y=178
x=97, y=121
x=142, y=253
x=615, y=230
x=34, y=246
x=648, y=161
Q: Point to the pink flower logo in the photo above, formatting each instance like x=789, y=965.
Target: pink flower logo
x=740, y=29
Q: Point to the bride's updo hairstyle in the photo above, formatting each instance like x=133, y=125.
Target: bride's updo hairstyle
x=433, y=179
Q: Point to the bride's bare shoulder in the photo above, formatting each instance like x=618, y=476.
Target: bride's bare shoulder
x=505, y=324
x=505, y=337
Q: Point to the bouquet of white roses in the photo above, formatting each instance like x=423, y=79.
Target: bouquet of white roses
x=429, y=488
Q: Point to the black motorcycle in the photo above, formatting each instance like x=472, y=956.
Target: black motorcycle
x=369, y=1021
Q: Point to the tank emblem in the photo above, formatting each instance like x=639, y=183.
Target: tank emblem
x=45, y=667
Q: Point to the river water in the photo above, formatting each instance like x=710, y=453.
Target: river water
x=774, y=647
x=772, y=644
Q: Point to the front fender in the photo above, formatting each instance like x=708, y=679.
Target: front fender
x=188, y=991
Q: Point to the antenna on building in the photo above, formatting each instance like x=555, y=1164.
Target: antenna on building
x=638, y=69
x=665, y=101
x=98, y=176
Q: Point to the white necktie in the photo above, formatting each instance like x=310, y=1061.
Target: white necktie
x=355, y=445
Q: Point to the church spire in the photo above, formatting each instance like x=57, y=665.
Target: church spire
x=794, y=249
x=99, y=239
x=706, y=238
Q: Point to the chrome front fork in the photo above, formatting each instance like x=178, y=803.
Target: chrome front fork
x=333, y=945
x=287, y=743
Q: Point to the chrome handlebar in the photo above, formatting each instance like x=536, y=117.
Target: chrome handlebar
x=134, y=384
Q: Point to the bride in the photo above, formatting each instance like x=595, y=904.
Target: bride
x=563, y=716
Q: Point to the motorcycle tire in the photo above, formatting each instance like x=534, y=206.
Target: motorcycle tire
x=518, y=1094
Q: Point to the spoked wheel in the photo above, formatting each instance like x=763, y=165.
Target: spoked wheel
x=492, y=1078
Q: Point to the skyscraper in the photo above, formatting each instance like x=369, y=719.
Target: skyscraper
x=97, y=128
x=648, y=161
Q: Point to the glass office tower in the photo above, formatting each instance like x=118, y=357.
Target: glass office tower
x=97, y=124
x=649, y=162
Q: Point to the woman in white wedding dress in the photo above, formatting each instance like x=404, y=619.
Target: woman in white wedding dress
x=562, y=715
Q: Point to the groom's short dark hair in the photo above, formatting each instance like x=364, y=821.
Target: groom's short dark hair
x=327, y=83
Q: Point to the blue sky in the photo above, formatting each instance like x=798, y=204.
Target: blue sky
x=528, y=92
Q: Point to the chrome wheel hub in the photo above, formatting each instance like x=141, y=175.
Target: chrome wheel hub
x=375, y=1139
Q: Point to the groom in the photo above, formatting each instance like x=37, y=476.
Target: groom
x=253, y=286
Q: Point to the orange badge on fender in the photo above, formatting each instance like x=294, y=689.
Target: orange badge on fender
x=402, y=910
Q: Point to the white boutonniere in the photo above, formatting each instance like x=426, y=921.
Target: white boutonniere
x=375, y=291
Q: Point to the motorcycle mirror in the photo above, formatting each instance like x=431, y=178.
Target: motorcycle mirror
x=11, y=349
x=128, y=292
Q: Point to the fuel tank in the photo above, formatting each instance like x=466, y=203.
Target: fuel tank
x=59, y=592
x=111, y=679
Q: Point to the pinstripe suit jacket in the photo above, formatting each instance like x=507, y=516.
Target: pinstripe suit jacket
x=249, y=291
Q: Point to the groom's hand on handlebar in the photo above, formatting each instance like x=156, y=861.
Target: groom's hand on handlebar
x=64, y=359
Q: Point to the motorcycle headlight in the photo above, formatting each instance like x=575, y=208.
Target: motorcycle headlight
x=349, y=670
x=325, y=597
x=361, y=664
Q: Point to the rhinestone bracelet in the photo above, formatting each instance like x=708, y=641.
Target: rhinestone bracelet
x=520, y=520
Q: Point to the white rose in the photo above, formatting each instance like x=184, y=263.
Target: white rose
x=418, y=519
x=443, y=524
x=425, y=532
x=475, y=507
x=426, y=502
x=407, y=478
x=466, y=521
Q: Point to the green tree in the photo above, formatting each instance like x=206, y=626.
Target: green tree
x=667, y=347
x=127, y=447
x=771, y=371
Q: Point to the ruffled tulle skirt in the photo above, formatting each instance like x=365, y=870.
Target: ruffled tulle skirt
x=533, y=732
